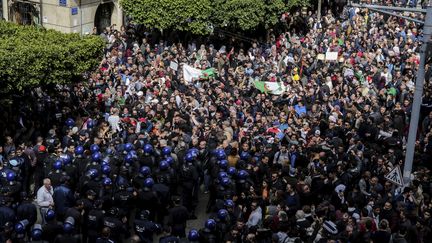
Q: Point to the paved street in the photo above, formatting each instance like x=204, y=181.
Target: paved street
x=200, y=213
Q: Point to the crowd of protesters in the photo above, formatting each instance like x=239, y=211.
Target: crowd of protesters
x=125, y=155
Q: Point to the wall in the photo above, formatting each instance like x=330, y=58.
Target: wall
x=61, y=18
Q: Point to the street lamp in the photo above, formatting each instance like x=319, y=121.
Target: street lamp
x=418, y=92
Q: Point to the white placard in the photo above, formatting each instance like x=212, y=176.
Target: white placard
x=174, y=66
x=331, y=56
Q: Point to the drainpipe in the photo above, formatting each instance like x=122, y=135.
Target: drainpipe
x=41, y=15
x=81, y=18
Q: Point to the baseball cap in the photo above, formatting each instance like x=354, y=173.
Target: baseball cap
x=41, y=149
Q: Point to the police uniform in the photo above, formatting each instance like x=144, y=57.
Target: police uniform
x=68, y=238
x=148, y=200
x=95, y=223
x=164, y=196
x=145, y=229
x=207, y=236
x=177, y=218
x=118, y=229
x=72, y=171
x=50, y=230
x=27, y=210
x=55, y=177
x=48, y=163
x=82, y=164
x=189, y=182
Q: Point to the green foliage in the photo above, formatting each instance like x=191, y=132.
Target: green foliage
x=297, y=3
x=30, y=56
x=185, y=15
x=196, y=16
x=240, y=14
x=274, y=10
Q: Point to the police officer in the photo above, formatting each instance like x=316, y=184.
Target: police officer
x=80, y=160
x=105, y=236
x=7, y=213
x=234, y=212
x=143, y=174
x=69, y=233
x=12, y=189
x=189, y=182
x=213, y=168
x=106, y=193
x=3, y=174
x=243, y=182
x=193, y=236
x=208, y=233
x=96, y=158
x=164, y=176
x=71, y=170
x=223, y=223
x=163, y=194
x=21, y=229
x=63, y=197
x=106, y=170
x=117, y=226
x=90, y=181
x=147, y=158
x=146, y=228
x=125, y=200
x=57, y=174
x=36, y=234
x=94, y=222
x=177, y=218
x=26, y=209
x=76, y=212
x=22, y=167
x=7, y=233
x=88, y=203
x=167, y=237
x=51, y=228
x=147, y=198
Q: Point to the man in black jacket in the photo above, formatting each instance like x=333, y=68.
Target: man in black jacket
x=177, y=217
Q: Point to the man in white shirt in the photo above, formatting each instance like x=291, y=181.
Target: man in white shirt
x=114, y=120
x=44, y=198
x=255, y=218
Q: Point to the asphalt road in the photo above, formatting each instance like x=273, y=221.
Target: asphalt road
x=200, y=212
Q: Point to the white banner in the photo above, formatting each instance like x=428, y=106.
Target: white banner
x=189, y=73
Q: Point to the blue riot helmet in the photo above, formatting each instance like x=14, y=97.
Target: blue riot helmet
x=193, y=235
x=145, y=171
x=70, y=122
x=128, y=147
x=166, y=150
x=148, y=149
x=94, y=148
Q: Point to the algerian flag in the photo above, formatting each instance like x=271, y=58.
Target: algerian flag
x=275, y=88
x=190, y=73
x=208, y=73
x=260, y=86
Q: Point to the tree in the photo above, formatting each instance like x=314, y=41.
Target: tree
x=185, y=15
x=197, y=16
x=298, y=3
x=31, y=56
x=239, y=14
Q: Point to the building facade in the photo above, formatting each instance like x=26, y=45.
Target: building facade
x=69, y=16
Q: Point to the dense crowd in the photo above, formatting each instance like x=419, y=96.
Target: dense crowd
x=125, y=155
